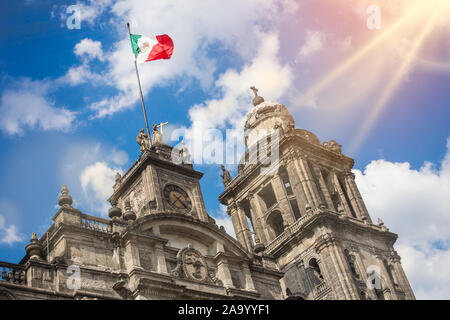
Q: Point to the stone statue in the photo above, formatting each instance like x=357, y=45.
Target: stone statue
x=334, y=146
x=184, y=153
x=157, y=136
x=118, y=177
x=142, y=140
x=226, y=177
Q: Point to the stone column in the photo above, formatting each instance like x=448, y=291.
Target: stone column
x=249, y=285
x=324, y=246
x=199, y=204
x=362, y=271
x=258, y=218
x=132, y=260
x=355, y=197
x=283, y=202
x=245, y=228
x=154, y=187
x=161, y=265
x=223, y=272
x=238, y=227
x=387, y=280
x=297, y=187
x=342, y=198
x=323, y=186
x=348, y=277
x=403, y=280
x=307, y=182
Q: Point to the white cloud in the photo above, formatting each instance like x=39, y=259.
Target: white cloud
x=193, y=31
x=119, y=157
x=265, y=71
x=314, y=43
x=97, y=181
x=89, y=48
x=88, y=11
x=9, y=234
x=25, y=104
x=81, y=74
x=222, y=219
x=416, y=205
x=88, y=169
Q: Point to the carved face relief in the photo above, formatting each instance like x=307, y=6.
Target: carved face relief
x=177, y=198
x=194, y=265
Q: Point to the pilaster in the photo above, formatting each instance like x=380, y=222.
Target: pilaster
x=258, y=218
x=283, y=202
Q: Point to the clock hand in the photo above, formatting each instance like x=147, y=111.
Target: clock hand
x=178, y=200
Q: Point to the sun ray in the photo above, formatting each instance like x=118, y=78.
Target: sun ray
x=437, y=66
x=338, y=71
x=381, y=103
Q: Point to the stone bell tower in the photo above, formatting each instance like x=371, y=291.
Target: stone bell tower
x=303, y=208
x=162, y=179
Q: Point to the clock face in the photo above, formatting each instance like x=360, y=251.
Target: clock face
x=177, y=198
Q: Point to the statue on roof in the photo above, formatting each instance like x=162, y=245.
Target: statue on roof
x=157, y=135
x=142, y=140
x=184, y=153
x=226, y=177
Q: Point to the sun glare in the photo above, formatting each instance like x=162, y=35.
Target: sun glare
x=413, y=24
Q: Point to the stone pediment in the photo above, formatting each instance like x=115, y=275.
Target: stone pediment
x=181, y=230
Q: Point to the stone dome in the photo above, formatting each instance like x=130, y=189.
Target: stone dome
x=266, y=117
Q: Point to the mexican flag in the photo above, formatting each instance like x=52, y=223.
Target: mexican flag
x=151, y=48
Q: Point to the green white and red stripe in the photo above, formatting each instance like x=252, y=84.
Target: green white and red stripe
x=151, y=48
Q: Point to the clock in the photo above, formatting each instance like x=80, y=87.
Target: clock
x=177, y=198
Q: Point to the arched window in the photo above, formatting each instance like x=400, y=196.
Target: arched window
x=276, y=223
x=285, y=179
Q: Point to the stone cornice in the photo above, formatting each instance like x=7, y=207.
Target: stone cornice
x=129, y=235
x=298, y=147
x=306, y=224
x=69, y=296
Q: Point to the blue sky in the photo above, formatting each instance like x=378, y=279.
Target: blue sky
x=70, y=109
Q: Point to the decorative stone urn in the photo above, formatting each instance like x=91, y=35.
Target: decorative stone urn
x=65, y=200
x=259, y=247
x=129, y=214
x=115, y=212
x=34, y=249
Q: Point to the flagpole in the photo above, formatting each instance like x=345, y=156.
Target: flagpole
x=140, y=89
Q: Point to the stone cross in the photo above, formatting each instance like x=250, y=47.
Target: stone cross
x=160, y=125
x=255, y=91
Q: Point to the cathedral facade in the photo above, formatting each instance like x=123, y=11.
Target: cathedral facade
x=302, y=229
